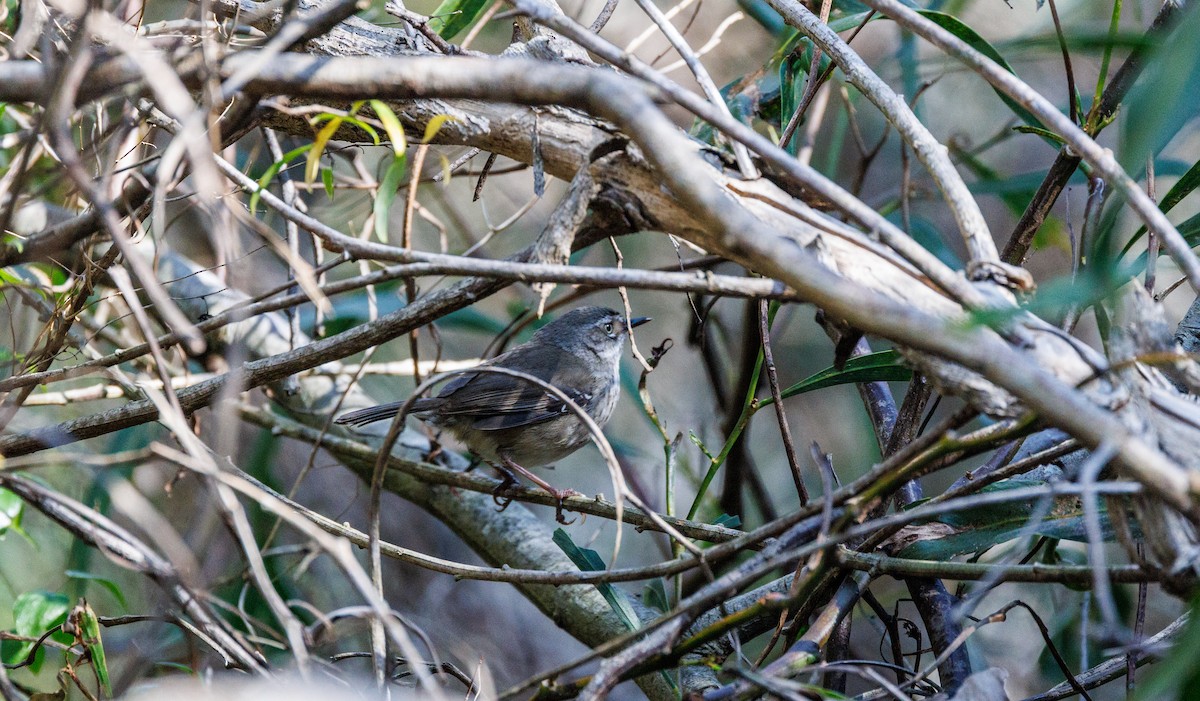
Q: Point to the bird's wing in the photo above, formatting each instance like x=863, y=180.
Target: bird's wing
x=496, y=401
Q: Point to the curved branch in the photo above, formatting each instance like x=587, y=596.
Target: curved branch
x=1065, y=163
x=932, y=154
x=731, y=229
x=1079, y=575
x=1100, y=158
x=887, y=232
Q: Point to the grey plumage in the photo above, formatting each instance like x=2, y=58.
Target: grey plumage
x=513, y=423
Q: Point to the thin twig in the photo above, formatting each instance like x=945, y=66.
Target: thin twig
x=410, y=285
x=745, y=165
x=785, y=431
x=1075, y=575
x=1151, y=239
x=971, y=224
x=1100, y=158
x=808, y=97
x=1072, y=93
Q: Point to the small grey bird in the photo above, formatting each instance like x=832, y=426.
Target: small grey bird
x=513, y=424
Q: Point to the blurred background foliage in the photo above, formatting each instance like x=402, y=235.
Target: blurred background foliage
x=699, y=388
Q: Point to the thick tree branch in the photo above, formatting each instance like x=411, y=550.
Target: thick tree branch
x=731, y=230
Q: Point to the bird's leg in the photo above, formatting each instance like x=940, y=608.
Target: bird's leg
x=558, y=494
x=435, y=448
x=507, y=479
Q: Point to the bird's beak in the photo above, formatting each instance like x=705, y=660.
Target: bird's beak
x=638, y=321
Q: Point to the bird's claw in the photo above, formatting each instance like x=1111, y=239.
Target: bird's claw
x=507, y=467
x=498, y=497
x=559, y=496
x=501, y=502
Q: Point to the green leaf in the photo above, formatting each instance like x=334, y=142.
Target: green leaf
x=654, y=595
x=108, y=584
x=350, y=119
x=362, y=124
x=1054, y=297
x=435, y=124
x=391, y=125
x=883, y=366
x=176, y=666
x=589, y=560
x=17, y=243
x=1180, y=670
x=387, y=192
x=1182, y=188
x=700, y=444
x=1189, y=229
x=976, y=530
x=11, y=511
x=728, y=521
x=34, y=613
x=783, y=83
x=1079, y=39
x=1164, y=98
x=319, y=143
x=1044, y=133
x=956, y=27
x=344, y=321
x=793, y=81
x=841, y=24
x=327, y=181
x=271, y=172
x=453, y=16
x=446, y=170
x=765, y=15
x=89, y=635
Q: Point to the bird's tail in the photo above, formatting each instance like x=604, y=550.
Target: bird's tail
x=370, y=415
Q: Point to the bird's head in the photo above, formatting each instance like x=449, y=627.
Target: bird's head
x=597, y=329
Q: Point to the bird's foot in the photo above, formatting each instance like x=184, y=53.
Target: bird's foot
x=498, y=497
x=508, y=467
x=559, y=495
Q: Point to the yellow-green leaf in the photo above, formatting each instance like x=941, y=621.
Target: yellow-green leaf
x=318, y=148
x=387, y=193
x=435, y=125
x=391, y=124
x=365, y=127
x=272, y=171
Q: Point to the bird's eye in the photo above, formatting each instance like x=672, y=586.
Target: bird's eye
x=608, y=328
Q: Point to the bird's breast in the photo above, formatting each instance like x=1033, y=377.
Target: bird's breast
x=604, y=400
